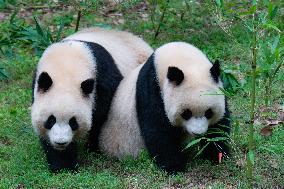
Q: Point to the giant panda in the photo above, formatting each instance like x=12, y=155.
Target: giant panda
x=162, y=102
x=73, y=86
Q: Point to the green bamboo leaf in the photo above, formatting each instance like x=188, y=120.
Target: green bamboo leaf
x=219, y=3
x=59, y=32
x=272, y=11
x=216, y=139
x=275, y=43
x=3, y=74
x=254, y=2
x=201, y=150
x=271, y=26
x=38, y=28
x=253, y=9
x=192, y=143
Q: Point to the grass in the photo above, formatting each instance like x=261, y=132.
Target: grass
x=22, y=161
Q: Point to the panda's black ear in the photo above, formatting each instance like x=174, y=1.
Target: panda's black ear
x=175, y=75
x=215, y=71
x=87, y=86
x=44, y=82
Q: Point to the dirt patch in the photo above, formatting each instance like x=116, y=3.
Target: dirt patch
x=5, y=141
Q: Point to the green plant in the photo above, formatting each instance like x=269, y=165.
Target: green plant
x=158, y=12
x=273, y=53
x=3, y=74
x=41, y=37
x=206, y=140
x=257, y=20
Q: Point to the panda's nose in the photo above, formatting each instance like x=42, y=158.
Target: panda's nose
x=61, y=143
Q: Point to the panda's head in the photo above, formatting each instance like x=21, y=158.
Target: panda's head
x=64, y=94
x=190, y=87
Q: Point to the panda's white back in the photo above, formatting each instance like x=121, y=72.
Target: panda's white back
x=127, y=50
x=120, y=135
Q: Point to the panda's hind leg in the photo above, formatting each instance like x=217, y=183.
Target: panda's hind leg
x=60, y=159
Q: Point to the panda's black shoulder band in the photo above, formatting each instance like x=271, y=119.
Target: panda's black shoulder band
x=160, y=137
x=108, y=78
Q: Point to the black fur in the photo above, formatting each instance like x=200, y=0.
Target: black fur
x=223, y=127
x=87, y=86
x=162, y=140
x=44, y=82
x=50, y=122
x=73, y=123
x=215, y=71
x=175, y=75
x=57, y=159
x=108, y=78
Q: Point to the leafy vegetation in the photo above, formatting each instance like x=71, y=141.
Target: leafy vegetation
x=226, y=30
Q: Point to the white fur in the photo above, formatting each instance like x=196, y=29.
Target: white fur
x=121, y=133
x=60, y=133
x=196, y=125
x=127, y=50
x=69, y=63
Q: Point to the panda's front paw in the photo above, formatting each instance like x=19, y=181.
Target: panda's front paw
x=216, y=152
x=173, y=165
x=55, y=168
x=61, y=159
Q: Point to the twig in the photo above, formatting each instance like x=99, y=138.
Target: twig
x=161, y=20
x=78, y=20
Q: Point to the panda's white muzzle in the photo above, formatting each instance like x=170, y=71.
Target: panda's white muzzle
x=60, y=136
x=196, y=125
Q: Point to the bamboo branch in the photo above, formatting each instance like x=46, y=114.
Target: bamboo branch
x=78, y=20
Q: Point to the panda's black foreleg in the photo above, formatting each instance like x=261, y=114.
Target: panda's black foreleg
x=213, y=149
x=60, y=159
x=170, y=160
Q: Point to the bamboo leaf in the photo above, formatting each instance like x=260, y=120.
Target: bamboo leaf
x=59, y=32
x=216, y=139
x=38, y=28
x=194, y=142
x=201, y=150
x=272, y=26
x=275, y=43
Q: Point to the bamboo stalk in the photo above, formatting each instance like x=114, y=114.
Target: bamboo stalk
x=252, y=106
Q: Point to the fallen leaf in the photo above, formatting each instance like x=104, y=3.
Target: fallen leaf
x=266, y=131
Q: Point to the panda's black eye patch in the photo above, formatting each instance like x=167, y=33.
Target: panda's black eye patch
x=87, y=86
x=186, y=114
x=50, y=122
x=44, y=82
x=73, y=123
x=209, y=113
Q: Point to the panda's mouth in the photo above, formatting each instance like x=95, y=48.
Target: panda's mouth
x=60, y=146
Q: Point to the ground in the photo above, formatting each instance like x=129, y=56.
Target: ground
x=22, y=161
